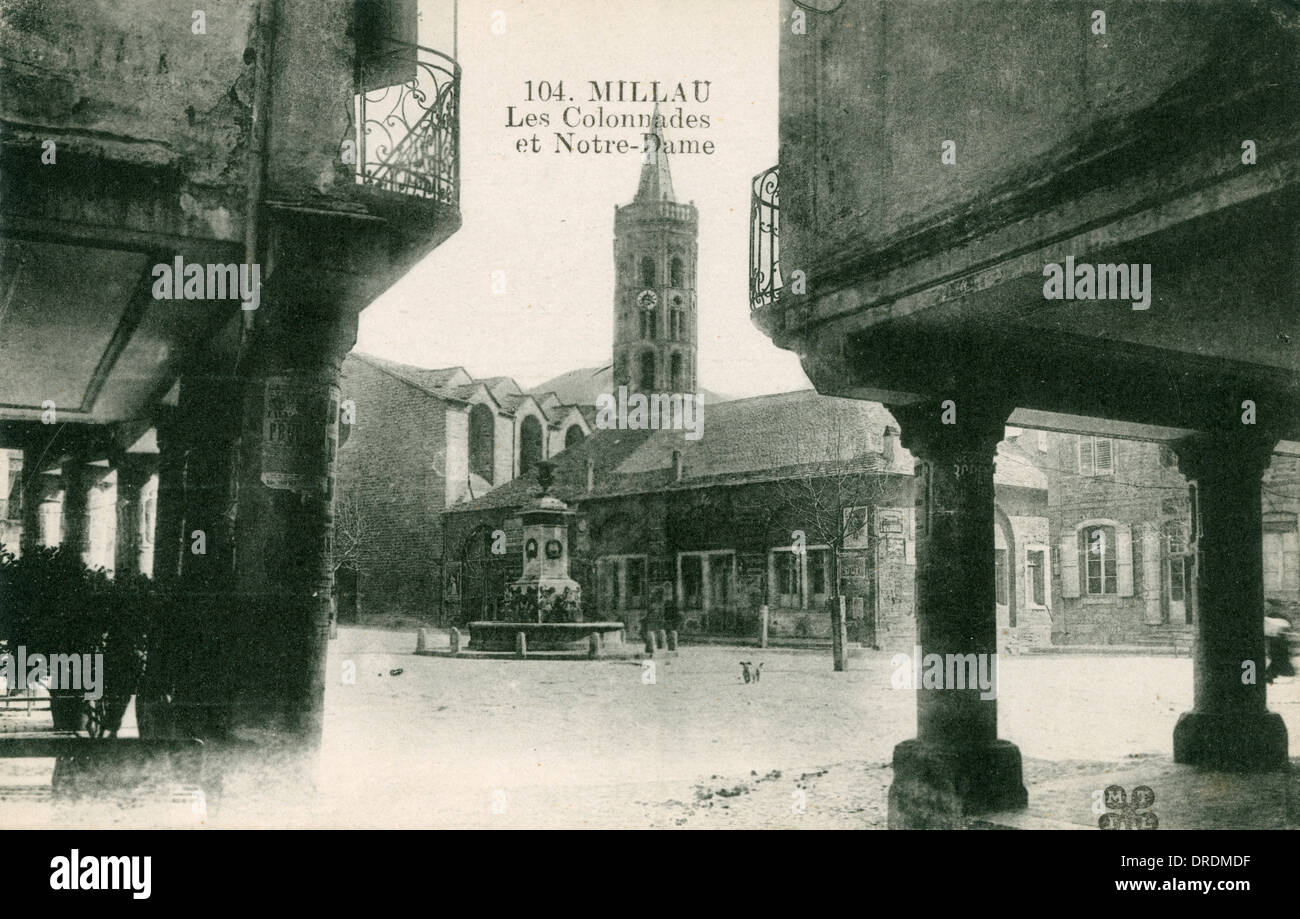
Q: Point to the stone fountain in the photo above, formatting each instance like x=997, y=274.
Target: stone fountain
x=543, y=608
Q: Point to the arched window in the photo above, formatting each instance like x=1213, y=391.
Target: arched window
x=647, y=371
x=675, y=373
x=620, y=369
x=530, y=444
x=649, y=321
x=678, y=272
x=647, y=271
x=482, y=441
x=573, y=435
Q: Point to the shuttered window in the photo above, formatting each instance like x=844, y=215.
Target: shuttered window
x=1281, y=552
x=1096, y=455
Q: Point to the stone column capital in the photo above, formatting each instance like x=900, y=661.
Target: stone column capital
x=1224, y=455
x=134, y=469
x=964, y=428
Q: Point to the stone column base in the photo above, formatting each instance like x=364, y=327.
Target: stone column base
x=1253, y=742
x=937, y=788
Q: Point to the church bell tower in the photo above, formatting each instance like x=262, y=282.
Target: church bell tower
x=655, y=259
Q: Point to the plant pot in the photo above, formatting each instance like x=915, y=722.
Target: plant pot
x=68, y=711
x=155, y=717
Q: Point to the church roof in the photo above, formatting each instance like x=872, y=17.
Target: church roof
x=582, y=386
x=759, y=439
x=656, y=182
x=421, y=377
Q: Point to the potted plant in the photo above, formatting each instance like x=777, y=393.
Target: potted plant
x=55, y=605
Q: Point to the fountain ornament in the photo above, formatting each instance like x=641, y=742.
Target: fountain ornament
x=545, y=603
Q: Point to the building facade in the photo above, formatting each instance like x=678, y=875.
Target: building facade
x=415, y=443
x=787, y=502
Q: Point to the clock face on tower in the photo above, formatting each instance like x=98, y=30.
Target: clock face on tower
x=647, y=299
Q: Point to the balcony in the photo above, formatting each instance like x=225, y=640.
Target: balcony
x=408, y=122
x=765, y=239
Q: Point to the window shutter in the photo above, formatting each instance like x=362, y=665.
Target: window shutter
x=1290, y=561
x=1151, y=574
x=1103, y=460
x=1085, y=455
x=1124, y=559
x=1069, y=565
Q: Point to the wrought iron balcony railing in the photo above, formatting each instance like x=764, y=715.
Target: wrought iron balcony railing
x=408, y=122
x=765, y=239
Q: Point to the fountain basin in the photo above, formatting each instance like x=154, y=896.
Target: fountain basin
x=545, y=636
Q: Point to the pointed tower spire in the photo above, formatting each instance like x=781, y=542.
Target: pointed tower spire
x=656, y=181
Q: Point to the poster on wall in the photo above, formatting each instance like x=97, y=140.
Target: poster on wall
x=299, y=436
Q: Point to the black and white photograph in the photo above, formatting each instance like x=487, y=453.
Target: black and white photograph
x=663, y=414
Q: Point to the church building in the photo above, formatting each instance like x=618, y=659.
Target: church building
x=415, y=442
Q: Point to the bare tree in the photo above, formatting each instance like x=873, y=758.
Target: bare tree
x=827, y=501
x=351, y=530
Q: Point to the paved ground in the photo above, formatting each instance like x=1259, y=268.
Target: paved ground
x=452, y=742
x=590, y=743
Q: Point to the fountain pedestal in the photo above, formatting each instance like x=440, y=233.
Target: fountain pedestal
x=545, y=604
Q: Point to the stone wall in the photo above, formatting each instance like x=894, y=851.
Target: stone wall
x=391, y=466
x=1136, y=497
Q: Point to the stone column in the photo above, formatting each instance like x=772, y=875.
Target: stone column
x=39, y=487
x=1229, y=727
x=285, y=513
x=168, y=539
x=956, y=766
x=209, y=417
x=80, y=478
x=134, y=470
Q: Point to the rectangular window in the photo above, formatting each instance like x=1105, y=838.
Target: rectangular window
x=634, y=583
x=786, y=570
x=1096, y=455
x=1097, y=548
x=818, y=572
x=1280, y=565
x=1281, y=552
x=719, y=582
x=622, y=582
x=692, y=581
x=1036, y=573
x=1178, y=578
x=1000, y=567
x=706, y=583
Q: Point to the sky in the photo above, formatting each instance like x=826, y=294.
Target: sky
x=546, y=219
